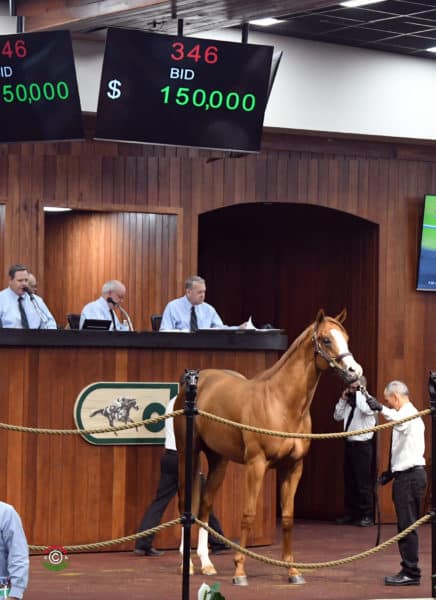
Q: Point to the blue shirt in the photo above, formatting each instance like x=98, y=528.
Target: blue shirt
x=10, y=313
x=177, y=315
x=14, y=552
x=99, y=309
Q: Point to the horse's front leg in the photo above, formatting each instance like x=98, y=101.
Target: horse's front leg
x=254, y=475
x=289, y=479
x=216, y=473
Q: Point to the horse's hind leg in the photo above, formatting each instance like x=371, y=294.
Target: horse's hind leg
x=289, y=479
x=254, y=475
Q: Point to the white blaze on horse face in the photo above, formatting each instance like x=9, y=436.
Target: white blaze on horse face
x=348, y=361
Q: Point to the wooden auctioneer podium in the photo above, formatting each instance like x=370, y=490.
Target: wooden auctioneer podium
x=69, y=491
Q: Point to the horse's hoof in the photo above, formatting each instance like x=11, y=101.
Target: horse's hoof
x=240, y=580
x=191, y=570
x=208, y=570
x=296, y=579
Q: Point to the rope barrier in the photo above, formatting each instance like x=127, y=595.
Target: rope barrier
x=317, y=436
x=237, y=548
x=177, y=413
x=127, y=538
x=318, y=565
x=97, y=430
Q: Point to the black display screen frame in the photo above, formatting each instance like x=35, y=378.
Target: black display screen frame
x=142, y=64
x=39, y=96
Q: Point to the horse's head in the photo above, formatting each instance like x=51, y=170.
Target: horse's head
x=330, y=341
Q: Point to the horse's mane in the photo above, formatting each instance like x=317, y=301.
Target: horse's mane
x=293, y=348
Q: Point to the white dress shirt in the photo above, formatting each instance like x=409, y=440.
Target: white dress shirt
x=408, y=441
x=177, y=315
x=10, y=313
x=99, y=309
x=363, y=417
x=170, y=438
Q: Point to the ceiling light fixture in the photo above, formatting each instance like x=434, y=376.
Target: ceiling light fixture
x=354, y=3
x=432, y=49
x=56, y=209
x=265, y=22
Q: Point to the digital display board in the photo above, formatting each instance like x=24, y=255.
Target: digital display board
x=39, y=98
x=182, y=91
x=427, y=258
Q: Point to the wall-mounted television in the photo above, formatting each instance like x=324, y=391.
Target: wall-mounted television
x=427, y=258
x=183, y=91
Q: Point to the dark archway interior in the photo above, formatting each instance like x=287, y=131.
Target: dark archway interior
x=280, y=263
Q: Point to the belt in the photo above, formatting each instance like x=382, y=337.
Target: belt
x=358, y=442
x=416, y=468
x=168, y=451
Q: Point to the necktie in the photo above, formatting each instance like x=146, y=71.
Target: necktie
x=24, y=321
x=350, y=417
x=194, y=324
x=113, y=318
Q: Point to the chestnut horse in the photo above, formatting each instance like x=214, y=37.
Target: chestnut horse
x=278, y=399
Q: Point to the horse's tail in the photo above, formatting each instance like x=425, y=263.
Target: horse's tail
x=96, y=412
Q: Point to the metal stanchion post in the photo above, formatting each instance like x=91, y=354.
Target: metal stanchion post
x=191, y=379
x=432, y=392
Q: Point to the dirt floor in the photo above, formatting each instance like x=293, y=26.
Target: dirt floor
x=125, y=576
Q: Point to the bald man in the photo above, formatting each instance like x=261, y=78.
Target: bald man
x=112, y=294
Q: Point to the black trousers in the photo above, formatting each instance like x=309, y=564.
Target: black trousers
x=166, y=490
x=407, y=494
x=358, y=479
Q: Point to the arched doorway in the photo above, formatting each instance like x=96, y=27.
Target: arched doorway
x=280, y=263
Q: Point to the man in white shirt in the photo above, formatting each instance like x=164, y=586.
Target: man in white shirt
x=359, y=480
x=167, y=489
x=19, y=307
x=112, y=295
x=410, y=479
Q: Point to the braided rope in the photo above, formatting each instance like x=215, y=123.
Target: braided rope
x=317, y=565
x=319, y=436
x=89, y=431
x=177, y=413
x=237, y=548
x=127, y=538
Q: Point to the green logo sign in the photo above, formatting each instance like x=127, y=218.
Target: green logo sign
x=110, y=404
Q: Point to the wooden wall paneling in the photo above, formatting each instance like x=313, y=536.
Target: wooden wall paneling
x=137, y=248
x=383, y=182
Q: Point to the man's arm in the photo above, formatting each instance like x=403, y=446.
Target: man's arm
x=90, y=311
x=339, y=413
x=18, y=554
x=216, y=320
x=167, y=319
x=51, y=323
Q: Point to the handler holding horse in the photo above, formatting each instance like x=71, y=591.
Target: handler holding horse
x=278, y=399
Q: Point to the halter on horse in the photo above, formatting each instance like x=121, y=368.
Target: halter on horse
x=278, y=399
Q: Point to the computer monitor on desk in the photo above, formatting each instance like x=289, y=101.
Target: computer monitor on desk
x=97, y=324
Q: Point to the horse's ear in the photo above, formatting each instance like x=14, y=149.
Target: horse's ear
x=320, y=316
x=342, y=315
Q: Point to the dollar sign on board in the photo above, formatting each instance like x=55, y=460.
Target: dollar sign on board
x=114, y=86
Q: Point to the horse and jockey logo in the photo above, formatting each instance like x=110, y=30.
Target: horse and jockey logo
x=118, y=411
x=104, y=404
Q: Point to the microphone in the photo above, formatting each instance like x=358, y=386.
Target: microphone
x=27, y=291
x=124, y=312
x=41, y=314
